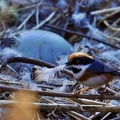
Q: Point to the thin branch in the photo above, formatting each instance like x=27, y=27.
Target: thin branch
x=54, y=94
x=46, y=86
x=110, y=27
x=44, y=21
x=9, y=82
x=25, y=21
x=81, y=34
x=103, y=11
x=33, y=61
x=92, y=117
x=77, y=116
x=62, y=107
x=27, y=60
x=105, y=117
x=90, y=102
x=109, y=16
x=30, y=6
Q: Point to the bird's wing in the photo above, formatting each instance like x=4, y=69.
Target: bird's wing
x=98, y=67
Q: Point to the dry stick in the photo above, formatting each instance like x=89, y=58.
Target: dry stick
x=8, y=82
x=90, y=102
x=27, y=60
x=109, y=16
x=96, y=114
x=62, y=107
x=33, y=61
x=110, y=27
x=106, y=116
x=25, y=21
x=77, y=116
x=30, y=6
x=104, y=11
x=80, y=34
x=53, y=94
x=46, y=86
x=113, y=92
x=44, y=21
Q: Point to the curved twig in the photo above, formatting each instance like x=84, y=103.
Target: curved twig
x=33, y=61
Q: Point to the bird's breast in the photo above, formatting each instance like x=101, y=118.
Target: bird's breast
x=94, y=80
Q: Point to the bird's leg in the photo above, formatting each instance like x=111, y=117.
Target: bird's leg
x=73, y=87
x=104, y=90
x=79, y=91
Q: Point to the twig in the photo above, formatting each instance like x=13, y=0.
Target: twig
x=30, y=6
x=53, y=94
x=77, y=115
x=27, y=60
x=110, y=27
x=104, y=118
x=90, y=102
x=109, y=16
x=56, y=18
x=44, y=21
x=104, y=11
x=46, y=86
x=62, y=107
x=53, y=111
x=10, y=82
x=92, y=117
x=81, y=34
x=111, y=91
x=25, y=21
x=33, y=61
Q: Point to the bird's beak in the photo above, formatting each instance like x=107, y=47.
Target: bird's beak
x=68, y=65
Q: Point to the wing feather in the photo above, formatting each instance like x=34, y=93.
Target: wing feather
x=98, y=67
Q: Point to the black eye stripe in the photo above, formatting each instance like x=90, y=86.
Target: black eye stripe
x=77, y=61
x=75, y=70
x=82, y=61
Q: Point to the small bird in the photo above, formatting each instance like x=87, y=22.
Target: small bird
x=90, y=71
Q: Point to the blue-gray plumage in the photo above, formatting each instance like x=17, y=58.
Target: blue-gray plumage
x=98, y=67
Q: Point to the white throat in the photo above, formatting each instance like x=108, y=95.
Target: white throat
x=81, y=72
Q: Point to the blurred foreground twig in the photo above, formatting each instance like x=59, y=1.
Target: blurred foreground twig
x=62, y=107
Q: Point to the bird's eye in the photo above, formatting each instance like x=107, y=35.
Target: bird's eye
x=77, y=61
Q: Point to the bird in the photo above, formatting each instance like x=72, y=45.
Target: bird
x=89, y=71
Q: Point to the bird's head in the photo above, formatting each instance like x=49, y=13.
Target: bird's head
x=78, y=62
